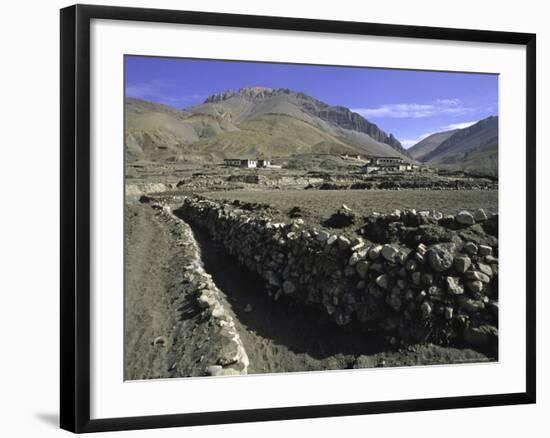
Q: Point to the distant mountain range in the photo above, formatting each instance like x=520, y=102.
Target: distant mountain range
x=425, y=146
x=249, y=123
x=474, y=148
x=257, y=121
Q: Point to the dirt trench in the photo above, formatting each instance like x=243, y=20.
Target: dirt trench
x=282, y=336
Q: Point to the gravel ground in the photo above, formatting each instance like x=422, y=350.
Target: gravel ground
x=317, y=205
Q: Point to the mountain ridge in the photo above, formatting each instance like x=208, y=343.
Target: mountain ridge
x=337, y=114
x=472, y=148
x=249, y=122
x=428, y=144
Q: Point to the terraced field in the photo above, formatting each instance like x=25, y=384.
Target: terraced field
x=317, y=205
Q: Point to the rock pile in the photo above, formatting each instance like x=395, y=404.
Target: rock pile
x=405, y=283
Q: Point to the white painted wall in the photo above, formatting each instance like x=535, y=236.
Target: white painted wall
x=29, y=220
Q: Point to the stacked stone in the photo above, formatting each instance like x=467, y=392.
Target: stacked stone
x=443, y=292
x=425, y=184
x=228, y=355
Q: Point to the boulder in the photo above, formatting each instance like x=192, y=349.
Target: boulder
x=357, y=243
x=462, y=263
x=333, y=238
x=206, y=299
x=465, y=218
x=485, y=250
x=229, y=353
x=440, y=256
x=470, y=248
x=421, y=249
x=323, y=235
x=479, y=215
x=356, y=257
x=477, y=276
x=453, y=287
x=470, y=306
x=437, y=215
x=389, y=252
x=341, y=219
x=343, y=243
x=485, y=269
x=383, y=281
x=474, y=286
x=374, y=252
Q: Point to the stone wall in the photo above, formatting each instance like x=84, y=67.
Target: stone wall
x=227, y=354
x=407, y=183
x=413, y=276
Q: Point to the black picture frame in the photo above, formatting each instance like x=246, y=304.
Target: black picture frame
x=75, y=217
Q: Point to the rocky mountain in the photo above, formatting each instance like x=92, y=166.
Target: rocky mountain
x=251, y=122
x=474, y=148
x=428, y=144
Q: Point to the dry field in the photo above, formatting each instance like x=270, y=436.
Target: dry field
x=319, y=204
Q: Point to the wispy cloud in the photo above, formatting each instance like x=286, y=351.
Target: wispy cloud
x=159, y=91
x=458, y=125
x=450, y=107
x=407, y=143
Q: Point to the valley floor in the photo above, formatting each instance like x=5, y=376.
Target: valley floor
x=317, y=205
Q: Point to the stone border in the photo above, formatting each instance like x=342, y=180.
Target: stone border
x=232, y=358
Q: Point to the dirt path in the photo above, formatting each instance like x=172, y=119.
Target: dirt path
x=147, y=308
x=166, y=334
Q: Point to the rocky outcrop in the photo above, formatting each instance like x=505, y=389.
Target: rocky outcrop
x=347, y=119
x=405, y=287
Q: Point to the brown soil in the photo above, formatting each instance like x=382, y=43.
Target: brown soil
x=164, y=333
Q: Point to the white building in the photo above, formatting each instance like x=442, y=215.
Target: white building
x=249, y=163
x=387, y=164
x=264, y=163
x=387, y=161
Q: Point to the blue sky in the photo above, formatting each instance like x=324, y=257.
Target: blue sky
x=410, y=104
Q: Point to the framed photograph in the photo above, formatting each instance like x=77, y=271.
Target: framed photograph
x=268, y=218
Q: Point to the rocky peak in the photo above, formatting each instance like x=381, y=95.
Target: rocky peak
x=250, y=93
